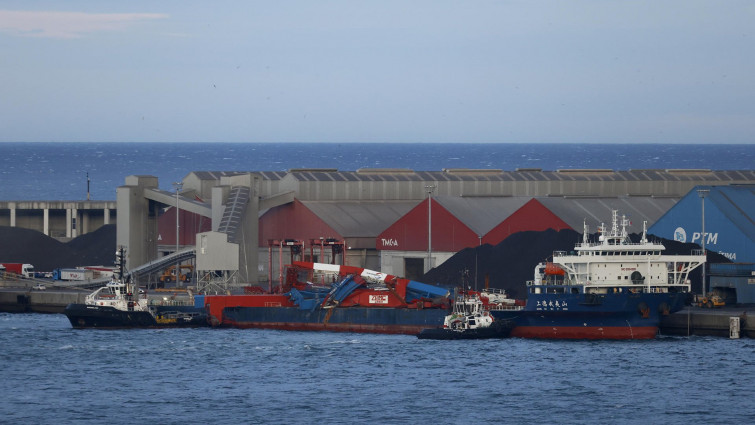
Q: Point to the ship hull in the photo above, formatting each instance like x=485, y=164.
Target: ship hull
x=346, y=319
x=91, y=316
x=499, y=329
x=606, y=316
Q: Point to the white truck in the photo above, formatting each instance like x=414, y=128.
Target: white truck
x=20, y=269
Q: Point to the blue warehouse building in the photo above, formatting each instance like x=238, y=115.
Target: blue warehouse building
x=730, y=231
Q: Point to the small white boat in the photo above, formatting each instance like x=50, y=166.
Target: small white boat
x=470, y=319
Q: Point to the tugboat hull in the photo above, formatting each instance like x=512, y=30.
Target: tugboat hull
x=499, y=329
x=90, y=316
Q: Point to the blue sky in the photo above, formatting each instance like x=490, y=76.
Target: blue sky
x=378, y=71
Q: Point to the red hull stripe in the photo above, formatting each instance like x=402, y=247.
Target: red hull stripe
x=581, y=332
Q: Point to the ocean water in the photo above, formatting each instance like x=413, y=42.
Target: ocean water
x=58, y=171
x=54, y=374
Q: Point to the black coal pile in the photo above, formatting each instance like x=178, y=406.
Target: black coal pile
x=508, y=265
x=511, y=263
x=45, y=253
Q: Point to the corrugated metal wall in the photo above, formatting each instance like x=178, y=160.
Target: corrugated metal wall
x=350, y=185
x=409, y=233
x=293, y=221
x=725, y=232
x=532, y=216
x=189, y=225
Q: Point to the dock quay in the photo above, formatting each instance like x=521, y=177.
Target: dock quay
x=55, y=300
x=710, y=321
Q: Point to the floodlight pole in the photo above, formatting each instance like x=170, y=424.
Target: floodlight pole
x=702, y=193
x=429, y=189
x=178, y=186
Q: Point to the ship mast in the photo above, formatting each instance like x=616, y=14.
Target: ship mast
x=585, y=231
x=119, y=264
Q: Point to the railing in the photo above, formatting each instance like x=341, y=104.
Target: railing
x=505, y=307
x=156, y=302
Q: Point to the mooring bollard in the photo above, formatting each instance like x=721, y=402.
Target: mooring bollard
x=734, y=327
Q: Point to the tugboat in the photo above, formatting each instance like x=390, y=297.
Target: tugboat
x=121, y=304
x=470, y=319
x=609, y=289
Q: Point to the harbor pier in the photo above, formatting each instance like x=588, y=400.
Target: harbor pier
x=709, y=322
x=54, y=300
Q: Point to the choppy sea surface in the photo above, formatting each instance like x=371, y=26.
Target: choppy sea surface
x=53, y=374
x=58, y=171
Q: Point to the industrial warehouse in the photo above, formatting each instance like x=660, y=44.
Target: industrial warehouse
x=243, y=228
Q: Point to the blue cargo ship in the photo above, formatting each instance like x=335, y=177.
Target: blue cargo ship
x=609, y=289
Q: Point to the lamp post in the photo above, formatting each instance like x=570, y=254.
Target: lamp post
x=429, y=189
x=702, y=193
x=178, y=186
x=479, y=237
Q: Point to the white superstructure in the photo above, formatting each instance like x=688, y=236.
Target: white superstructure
x=614, y=263
x=118, y=293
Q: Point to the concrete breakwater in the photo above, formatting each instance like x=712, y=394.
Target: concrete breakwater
x=25, y=300
x=22, y=300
